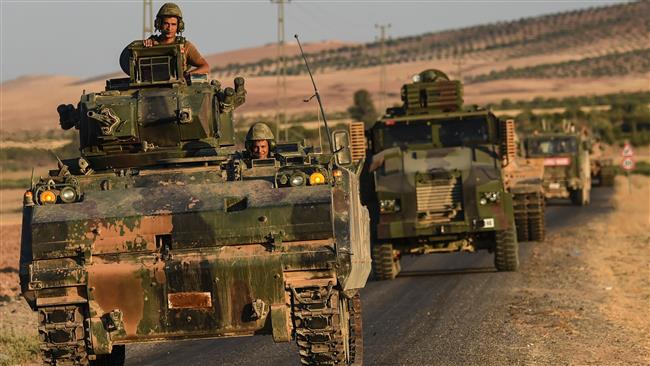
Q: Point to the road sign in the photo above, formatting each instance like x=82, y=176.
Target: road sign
x=627, y=151
x=628, y=163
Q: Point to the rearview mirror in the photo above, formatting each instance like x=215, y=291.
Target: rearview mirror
x=341, y=142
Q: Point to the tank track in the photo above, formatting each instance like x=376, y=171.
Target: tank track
x=317, y=324
x=62, y=331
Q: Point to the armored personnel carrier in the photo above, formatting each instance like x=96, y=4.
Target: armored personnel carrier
x=565, y=155
x=437, y=181
x=162, y=231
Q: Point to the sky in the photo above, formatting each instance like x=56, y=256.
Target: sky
x=84, y=38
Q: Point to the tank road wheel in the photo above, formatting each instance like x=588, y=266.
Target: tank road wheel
x=506, y=251
x=327, y=326
x=385, y=262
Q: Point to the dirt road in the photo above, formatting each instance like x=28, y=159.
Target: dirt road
x=454, y=309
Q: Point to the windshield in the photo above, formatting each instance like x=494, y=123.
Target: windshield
x=551, y=146
x=442, y=133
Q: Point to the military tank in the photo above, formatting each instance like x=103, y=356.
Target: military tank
x=161, y=230
x=436, y=178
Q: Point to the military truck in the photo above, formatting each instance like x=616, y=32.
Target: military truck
x=565, y=155
x=435, y=178
x=161, y=230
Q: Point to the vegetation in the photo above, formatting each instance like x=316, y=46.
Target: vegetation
x=17, y=348
x=363, y=109
x=625, y=116
x=571, y=30
x=615, y=64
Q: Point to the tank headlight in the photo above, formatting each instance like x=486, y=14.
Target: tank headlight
x=483, y=201
x=68, y=195
x=47, y=197
x=316, y=178
x=297, y=180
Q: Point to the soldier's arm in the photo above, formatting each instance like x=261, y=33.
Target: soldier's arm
x=194, y=59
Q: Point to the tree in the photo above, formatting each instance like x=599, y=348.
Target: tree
x=363, y=108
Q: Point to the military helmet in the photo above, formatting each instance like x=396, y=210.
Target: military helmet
x=170, y=10
x=259, y=131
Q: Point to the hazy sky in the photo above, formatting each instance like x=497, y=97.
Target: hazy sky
x=84, y=38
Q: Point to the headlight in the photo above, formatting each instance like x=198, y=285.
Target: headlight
x=389, y=206
x=47, y=197
x=297, y=180
x=68, y=195
x=489, y=197
x=316, y=178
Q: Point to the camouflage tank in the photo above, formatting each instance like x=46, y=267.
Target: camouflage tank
x=565, y=155
x=162, y=231
x=435, y=178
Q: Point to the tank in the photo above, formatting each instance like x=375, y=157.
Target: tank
x=435, y=178
x=565, y=156
x=162, y=230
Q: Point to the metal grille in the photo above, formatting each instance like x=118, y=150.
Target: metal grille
x=439, y=200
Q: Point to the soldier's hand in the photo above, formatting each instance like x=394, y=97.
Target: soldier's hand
x=147, y=42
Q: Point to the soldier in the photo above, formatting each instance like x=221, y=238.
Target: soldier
x=169, y=22
x=260, y=141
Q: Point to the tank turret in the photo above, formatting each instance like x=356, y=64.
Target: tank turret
x=156, y=114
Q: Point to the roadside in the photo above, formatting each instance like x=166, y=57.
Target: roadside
x=584, y=296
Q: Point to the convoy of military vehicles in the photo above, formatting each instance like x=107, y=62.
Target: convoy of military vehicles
x=163, y=230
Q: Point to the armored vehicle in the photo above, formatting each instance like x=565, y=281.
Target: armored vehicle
x=436, y=179
x=603, y=172
x=162, y=231
x=565, y=155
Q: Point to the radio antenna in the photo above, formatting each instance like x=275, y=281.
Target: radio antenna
x=317, y=95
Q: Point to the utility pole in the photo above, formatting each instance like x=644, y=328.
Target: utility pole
x=147, y=18
x=382, y=64
x=281, y=76
x=459, y=66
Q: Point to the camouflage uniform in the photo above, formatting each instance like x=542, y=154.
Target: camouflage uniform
x=193, y=57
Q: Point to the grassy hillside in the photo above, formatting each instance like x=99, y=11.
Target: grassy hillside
x=619, y=28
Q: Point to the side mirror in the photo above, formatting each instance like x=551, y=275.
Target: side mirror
x=341, y=142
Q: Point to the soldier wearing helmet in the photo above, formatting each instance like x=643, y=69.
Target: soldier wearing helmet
x=169, y=22
x=260, y=141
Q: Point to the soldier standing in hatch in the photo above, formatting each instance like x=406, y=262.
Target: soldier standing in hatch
x=260, y=141
x=169, y=22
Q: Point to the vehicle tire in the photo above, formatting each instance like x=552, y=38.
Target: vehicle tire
x=506, y=250
x=607, y=179
x=385, y=262
x=537, y=220
x=116, y=358
x=537, y=226
x=581, y=196
x=521, y=222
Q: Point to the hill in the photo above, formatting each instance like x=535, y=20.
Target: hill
x=595, y=51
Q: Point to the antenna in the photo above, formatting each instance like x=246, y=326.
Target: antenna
x=147, y=18
x=316, y=94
